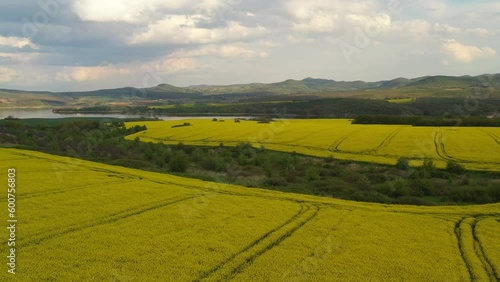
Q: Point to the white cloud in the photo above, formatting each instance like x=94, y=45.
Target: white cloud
x=319, y=22
x=226, y=50
x=82, y=74
x=172, y=65
x=480, y=32
x=175, y=29
x=317, y=16
x=446, y=28
x=7, y=75
x=122, y=10
x=464, y=53
x=17, y=42
x=16, y=58
x=417, y=28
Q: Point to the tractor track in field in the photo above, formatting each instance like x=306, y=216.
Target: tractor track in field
x=492, y=135
x=478, y=265
x=465, y=259
x=38, y=238
x=335, y=146
x=385, y=142
x=240, y=260
x=63, y=190
x=303, y=137
x=478, y=246
x=441, y=150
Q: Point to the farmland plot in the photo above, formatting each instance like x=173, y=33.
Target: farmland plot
x=123, y=224
x=475, y=148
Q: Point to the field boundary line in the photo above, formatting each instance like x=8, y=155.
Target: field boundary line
x=239, y=261
x=103, y=220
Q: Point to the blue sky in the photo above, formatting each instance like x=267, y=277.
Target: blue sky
x=65, y=45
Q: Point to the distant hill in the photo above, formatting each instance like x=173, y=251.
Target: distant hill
x=428, y=86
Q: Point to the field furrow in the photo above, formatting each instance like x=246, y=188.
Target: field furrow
x=335, y=146
x=493, y=136
x=488, y=262
x=479, y=269
x=62, y=190
x=387, y=140
x=237, y=263
x=37, y=239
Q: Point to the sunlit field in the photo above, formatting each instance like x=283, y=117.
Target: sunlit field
x=83, y=221
x=473, y=147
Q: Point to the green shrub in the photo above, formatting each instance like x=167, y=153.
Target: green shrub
x=312, y=173
x=454, y=167
x=403, y=164
x=429, y=167
x=178, y=162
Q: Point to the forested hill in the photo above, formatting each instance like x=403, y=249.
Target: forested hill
x=428, y=86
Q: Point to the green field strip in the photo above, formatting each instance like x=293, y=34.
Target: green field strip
x=489, y=266
x=478, y=271
x=103, y=220
x=237, y=262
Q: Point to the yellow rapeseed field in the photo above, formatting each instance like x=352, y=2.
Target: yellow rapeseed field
x=83, y=221
x=474, y=147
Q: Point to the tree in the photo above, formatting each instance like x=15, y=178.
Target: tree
x=429, y=167
x=454, y=167
x=178, y=162
x=403, y=164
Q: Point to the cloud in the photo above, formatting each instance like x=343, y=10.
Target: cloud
x=18, y=58
x=17, y=42
x=446, y=28
x=82, y=74
x=418, y=29
x=225, y=51
x=107, y=43
x=176, y=29
x=331, y=16
x=7, y=75
x=465, y=53
x=123, y=10
x=176, y=65
x=319, y=22
x=480, y=32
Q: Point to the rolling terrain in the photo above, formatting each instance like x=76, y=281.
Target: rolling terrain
x=83, y=221
x=428, y=86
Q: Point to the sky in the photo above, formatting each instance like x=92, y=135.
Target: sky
x=75, y=45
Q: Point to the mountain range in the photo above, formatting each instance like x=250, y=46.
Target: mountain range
x=427, y=86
